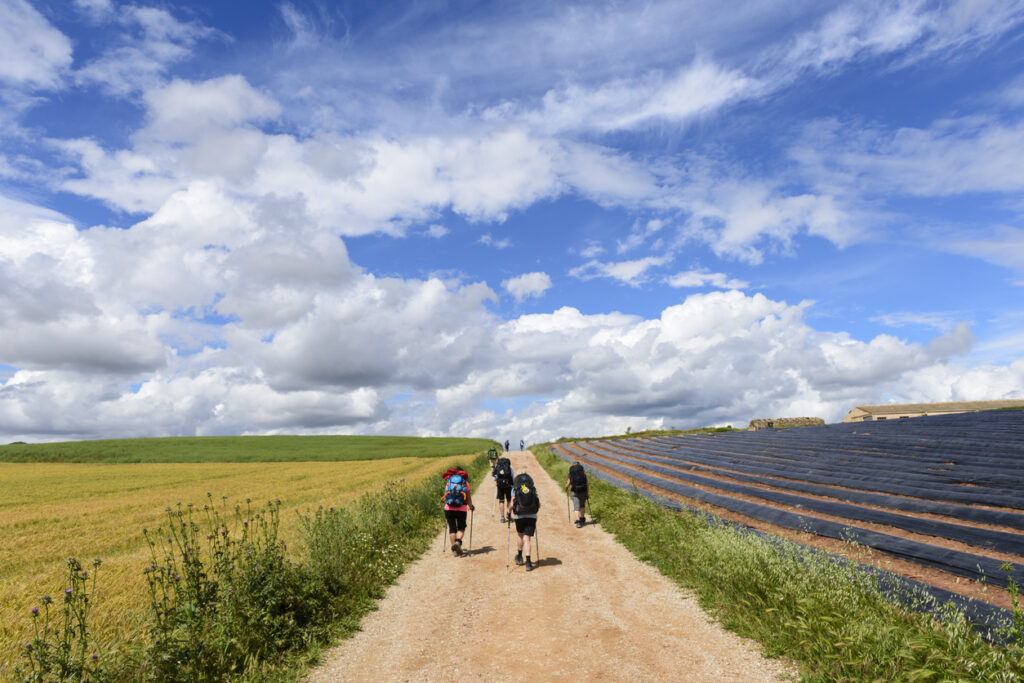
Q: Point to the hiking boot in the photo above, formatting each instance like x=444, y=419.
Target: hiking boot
x=454, y=551
x=457, y=548
x=519, y=559
x=502, y=520
x=579, y=524
x=583, y=520
x=529, y=565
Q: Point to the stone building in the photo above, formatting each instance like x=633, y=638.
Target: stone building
x=895, y=411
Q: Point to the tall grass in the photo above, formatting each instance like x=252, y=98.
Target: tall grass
x=825, y=614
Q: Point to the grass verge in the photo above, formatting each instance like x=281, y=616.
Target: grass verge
x=229, y=602
x=825, y=615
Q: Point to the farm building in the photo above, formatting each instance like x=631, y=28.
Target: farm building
x=896, y=411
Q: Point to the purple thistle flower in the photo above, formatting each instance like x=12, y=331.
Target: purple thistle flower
x=95, y=657
x=47, y=599
x=35, y=611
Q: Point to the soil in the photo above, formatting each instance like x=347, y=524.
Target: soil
x=976, y=590
x=589, y=611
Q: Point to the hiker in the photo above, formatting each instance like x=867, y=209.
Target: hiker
x=492, y=457
x=457, y=500
x=525, y=505
x=503, y=478
x=577, y=484
x=506, y=445
x=521, y=444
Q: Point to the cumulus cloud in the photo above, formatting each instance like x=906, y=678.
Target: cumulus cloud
x=527, y=285
x=32, y=52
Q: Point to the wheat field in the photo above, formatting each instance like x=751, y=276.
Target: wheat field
x=50, y=511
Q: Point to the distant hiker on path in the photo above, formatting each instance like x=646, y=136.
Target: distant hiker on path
x=492, y=457
x=503, y=477
x=578, y=485
x=457, y=501
x=506, y=445
x=521, y=444
x=525, y=505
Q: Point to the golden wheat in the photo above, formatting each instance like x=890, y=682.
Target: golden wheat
x=49, y=512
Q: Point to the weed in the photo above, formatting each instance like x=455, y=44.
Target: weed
x=60, y=648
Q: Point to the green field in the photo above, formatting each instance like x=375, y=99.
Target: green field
x=243, y=449
x=88, y=509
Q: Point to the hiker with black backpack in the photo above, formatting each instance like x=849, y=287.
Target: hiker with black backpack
x=577, y=484
x=503, y=479
x=525, y=505
x=457, y=502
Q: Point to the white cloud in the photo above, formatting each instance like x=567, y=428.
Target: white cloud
x=704, y=278
x=632, y=273
x=150, y=41
x=951, y=157
x=489, y=241
x=527, y=285
x=436, y=231
x=697, y=89
x=32, y=52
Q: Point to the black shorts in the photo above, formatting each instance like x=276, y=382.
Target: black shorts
x=504, y=492
x=456, y=520
x=527, y=526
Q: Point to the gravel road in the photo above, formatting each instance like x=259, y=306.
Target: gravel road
x=590, y=611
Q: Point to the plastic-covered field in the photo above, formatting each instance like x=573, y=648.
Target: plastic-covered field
x=945, y=492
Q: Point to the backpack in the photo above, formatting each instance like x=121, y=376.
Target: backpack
x=455, y=491
x=503, y=472
x=526, y=500
x=577, y=478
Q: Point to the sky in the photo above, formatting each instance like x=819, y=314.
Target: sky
x=510, y=220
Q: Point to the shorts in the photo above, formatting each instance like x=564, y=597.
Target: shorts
x=504, y=492
x=527, y=526
x=456, y=520
x=579, y=500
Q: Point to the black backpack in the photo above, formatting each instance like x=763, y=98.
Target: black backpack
x=503, y=472
x=526, y=500
x=577, y=478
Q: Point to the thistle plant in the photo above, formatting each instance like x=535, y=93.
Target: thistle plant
x=60, y=649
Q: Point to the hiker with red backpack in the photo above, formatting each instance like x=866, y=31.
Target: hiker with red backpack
x=503, y=479
x=457, y=501
x=578, y=485
x=525, y=505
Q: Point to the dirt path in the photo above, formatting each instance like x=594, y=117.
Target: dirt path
x=590, y=611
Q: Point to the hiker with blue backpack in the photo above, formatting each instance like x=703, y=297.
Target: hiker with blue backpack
x=457, y=503
x=525, y=505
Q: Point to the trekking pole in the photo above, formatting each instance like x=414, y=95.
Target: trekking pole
x=508, y=541
x=444, y=544
x=536, y=542
x=470, y=529
x=494, y=502
x=568, y=514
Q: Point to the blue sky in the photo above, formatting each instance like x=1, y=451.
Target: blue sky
x=513, y=220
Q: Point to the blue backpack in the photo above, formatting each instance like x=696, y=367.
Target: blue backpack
x=455, y=491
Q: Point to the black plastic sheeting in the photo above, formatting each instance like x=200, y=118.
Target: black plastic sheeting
x=996, y=540
x=972, y=514
x=990, y=621
x=955, y=562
